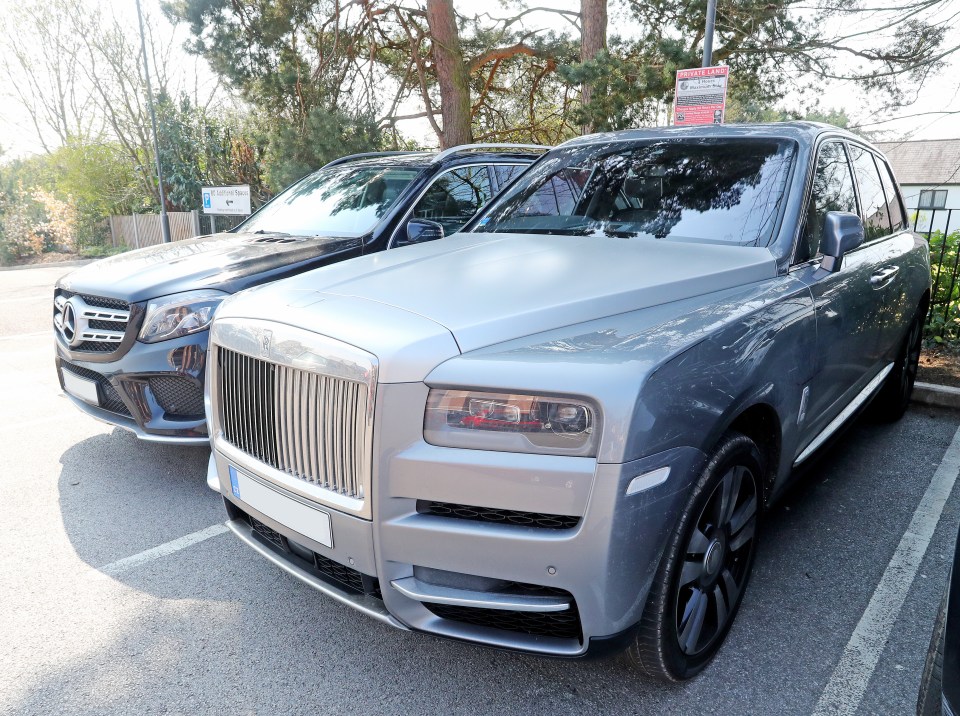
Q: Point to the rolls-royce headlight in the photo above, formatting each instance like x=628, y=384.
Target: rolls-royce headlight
x=179, y=314
x=510, y=422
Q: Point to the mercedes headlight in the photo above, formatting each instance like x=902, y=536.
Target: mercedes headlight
x=510, y=422
x=179, y=314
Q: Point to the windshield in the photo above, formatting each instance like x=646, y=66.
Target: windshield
x=339, y=201
x=704, y=190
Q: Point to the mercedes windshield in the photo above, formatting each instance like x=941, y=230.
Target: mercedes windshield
x=341, y=201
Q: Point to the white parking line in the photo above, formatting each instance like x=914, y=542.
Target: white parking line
x=845, y=690
x=128, y=563
x=19, y=336
x=21, y=299
x=15, y=425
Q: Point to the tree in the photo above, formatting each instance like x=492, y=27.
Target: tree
x=473, y=74
x=593, y=41
x=294, y=151
x=300, y=64
x=40, y=63
x=453, y=78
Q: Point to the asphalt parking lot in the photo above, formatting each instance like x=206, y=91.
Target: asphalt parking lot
x=121, y=593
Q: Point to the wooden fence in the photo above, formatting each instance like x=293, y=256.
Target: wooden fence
x=141, y=230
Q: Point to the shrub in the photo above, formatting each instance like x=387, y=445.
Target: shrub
x=943, y=321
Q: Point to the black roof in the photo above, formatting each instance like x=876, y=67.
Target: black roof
x=801, y=131
x=420, y=160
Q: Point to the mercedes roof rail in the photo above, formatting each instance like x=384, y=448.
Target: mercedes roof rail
x=366, y=155
x=479, y=147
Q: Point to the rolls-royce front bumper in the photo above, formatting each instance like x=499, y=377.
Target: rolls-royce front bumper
x=541, y=554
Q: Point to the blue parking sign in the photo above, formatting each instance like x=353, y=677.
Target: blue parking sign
x=206, y=200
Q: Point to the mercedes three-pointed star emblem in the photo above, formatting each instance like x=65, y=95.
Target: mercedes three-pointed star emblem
x=68, y=324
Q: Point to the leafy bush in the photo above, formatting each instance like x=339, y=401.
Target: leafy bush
x=19, y=222
x=943, y=322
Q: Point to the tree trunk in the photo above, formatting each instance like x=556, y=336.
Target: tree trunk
x=453, y=76
x=593, y=39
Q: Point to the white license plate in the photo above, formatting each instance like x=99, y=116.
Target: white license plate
x=81, y=388
x=298, y=516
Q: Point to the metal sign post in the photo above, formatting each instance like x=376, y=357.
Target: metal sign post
x=708, y=33
x=164, y=219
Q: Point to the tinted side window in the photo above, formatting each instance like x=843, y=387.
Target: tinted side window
x=558, y=195
x=897, y=221
x=506, y=173
x=876, y=217
x=832, y=191
x=455, y=197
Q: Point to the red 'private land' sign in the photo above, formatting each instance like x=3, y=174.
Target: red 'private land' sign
x=701, y=95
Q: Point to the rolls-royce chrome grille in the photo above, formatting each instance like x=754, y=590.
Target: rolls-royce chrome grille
x=311, y=426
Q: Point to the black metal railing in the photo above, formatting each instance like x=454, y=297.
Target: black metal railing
x=214, y=224
x=942, y=231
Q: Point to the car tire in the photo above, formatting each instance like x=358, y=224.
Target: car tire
x=705, y=568
x=894, y=397
x=931, y=691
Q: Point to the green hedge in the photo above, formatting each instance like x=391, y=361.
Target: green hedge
x=943, y=321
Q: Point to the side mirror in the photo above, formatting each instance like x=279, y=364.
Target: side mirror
x=420, y=230
x=842, y=232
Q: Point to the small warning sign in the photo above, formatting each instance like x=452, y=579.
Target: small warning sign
x=701, y=95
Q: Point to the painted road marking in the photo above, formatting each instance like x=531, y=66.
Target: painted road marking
x=15, y=425
x=128, y=563
x=19, y=336
x=22, y=299
x=845, y=690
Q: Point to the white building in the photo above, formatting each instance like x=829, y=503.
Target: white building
x=929, y=174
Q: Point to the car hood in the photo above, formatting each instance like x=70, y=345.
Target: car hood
x=205, y=262
x=485, y=289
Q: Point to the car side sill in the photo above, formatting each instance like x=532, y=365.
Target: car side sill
x=862, y=397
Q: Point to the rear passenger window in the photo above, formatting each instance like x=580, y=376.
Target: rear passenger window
x=506, y=173
x=558, y=196
x=876, y=217
x=455, y=197
x=897, y=220
x=832, y=191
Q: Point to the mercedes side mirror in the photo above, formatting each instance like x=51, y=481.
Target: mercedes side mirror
x=842, y=232
x=421, y=230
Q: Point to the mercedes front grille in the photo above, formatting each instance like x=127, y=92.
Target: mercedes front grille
x=90, y=323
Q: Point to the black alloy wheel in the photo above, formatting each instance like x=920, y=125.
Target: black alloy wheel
x=908, y=376
x=894, y=397
x=718, y=556
x=706, y=566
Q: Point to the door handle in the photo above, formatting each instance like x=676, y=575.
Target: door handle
x=882, y=277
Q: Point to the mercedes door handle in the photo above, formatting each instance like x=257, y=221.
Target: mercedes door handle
x=880, y=278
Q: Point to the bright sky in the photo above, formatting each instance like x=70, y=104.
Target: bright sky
x=940, y=93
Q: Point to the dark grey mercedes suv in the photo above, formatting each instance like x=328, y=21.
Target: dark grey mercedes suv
x=131, y=330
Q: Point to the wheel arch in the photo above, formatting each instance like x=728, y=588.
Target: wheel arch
x=761, y=423
x=923, y=308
